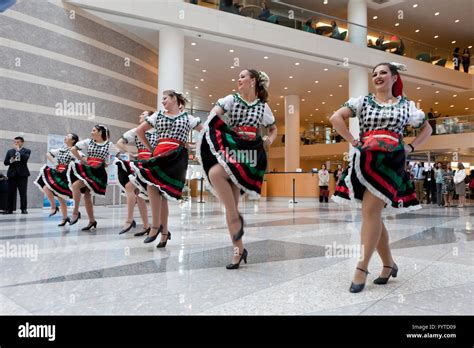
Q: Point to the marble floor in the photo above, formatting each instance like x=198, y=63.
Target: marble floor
x=301, y=260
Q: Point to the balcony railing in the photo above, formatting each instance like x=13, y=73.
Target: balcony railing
x=283, y=14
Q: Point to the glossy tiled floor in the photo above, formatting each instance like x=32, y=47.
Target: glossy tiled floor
x=301, y=260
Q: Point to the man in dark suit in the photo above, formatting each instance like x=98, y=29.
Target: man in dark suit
x=18, y=173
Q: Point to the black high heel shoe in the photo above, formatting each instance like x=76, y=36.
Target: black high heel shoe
x=358, y=287
x=243, y=256
x=91, y=225
x=150, y=239
x=393, y=273
x=163, y=244
x=132, y=225
x=143, y=232
x=75, y=221
x=55, y=211
x=238, y=236
x=64, y=222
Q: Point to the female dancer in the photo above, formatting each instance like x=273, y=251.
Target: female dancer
x=165, y=172
x=376, y=176
x=135, y=194
x=89, y=175
x=232, y=155
x=53, y=181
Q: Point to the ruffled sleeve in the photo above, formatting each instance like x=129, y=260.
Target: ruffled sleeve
x=226, y=102
x=54, y=152
x=151, y=120
x=194, y=121
x=83, y=145
x=355, y=105
x=268, y=118
x=416, y=116
x=129, y=136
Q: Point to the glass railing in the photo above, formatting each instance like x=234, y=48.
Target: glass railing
x=448, y=125
x=283, y=14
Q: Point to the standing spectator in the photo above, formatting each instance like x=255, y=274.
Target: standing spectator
x=338, y=173
x=18, y=173
x=456, y=58
x=448, y=186
x=379, y=42
x=439, y=173
x=466, y=59
x=418, y=173
x=432, y=120
x=323, y=184
x=460, y=185
x=430, y=185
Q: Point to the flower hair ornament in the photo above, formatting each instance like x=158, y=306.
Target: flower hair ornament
x=399, y=66
x=263, y=79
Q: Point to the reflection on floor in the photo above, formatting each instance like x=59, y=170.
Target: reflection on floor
x=301, y=260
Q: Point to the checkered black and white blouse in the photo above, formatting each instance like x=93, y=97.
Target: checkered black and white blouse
x=91, y=149
x=240, y=113
x=174, y=127
x=62, y=155
x=130, y=137
x=393, y=117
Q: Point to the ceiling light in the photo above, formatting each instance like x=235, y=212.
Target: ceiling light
x=436, y=103
x=297, y=63
x=455, y=95
x=308, y=91
x=436, y=36
x=231, y=51
x=316, y=81
x=417, y=30
x=331, y=95
x=340, y=86
x=285, y=87
x=193, y=44
x=265, y=57
x=451, y=106
x=397, y=24
x=323, y=103
x=233, y=90
x=325, y=2
x=326, y=69
x=436, y=13
x=316, y=109
x=302, y=100
x=470, y=47
x=210, y=95
x=419, y=100
x=196, y=87
x=453, y=42
x=204, y=70
x=232, y=67
x=437, y=92
x=415, y=5
x=196, y=59
x=202, y=80
x=311, y=115
x=456, y=21
x=418, y=87
x=187, y=92
x=233, y=80
x=291, y=77
x=466, y=108
x=471, y=98
x=278, y=104
x=375, y=17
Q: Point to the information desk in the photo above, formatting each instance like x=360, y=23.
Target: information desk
x=306, y=184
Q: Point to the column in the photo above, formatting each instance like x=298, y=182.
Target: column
x=292, y=133
x=358, y=76
x=170, y=61
x=357, y=14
